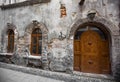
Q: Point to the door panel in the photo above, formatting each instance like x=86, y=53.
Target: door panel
x=105, y=59
x=90, y=44
x=89, y=63
x=77, y=52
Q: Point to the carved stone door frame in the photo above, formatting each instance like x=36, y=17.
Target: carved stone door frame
x=108, y=27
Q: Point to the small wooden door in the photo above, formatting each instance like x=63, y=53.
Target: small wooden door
x=10, y=47
x=91, y=53
x=36, y=42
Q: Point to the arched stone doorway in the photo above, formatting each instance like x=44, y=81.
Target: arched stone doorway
x=91, y=49
x=106, y=26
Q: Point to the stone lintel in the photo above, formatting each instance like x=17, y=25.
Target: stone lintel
x=21, y=4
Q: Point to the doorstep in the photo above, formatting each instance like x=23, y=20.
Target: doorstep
x=74, y=77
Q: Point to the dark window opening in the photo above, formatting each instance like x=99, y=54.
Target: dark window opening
x=36, y=42
x=93, y=28
x=10, y=41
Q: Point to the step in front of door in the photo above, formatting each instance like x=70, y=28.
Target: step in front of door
x=74, y=77
x=89, y=77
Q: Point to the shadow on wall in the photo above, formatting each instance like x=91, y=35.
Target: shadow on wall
x=117, y=74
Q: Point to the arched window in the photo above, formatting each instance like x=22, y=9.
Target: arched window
x=10, y=41
x=36, y=42
x=94, y=28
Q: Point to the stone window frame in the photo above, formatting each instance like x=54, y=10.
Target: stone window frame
x=28, y=31
x=5, y=36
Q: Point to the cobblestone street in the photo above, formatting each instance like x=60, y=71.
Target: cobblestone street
x=7, y=75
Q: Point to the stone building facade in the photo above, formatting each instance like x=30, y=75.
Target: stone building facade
x=58, y=21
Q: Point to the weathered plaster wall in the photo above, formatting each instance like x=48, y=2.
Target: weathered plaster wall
x=49, y=14
x=21, y=17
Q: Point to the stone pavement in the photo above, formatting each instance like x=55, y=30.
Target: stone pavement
x=28, y=74
x=7, y=75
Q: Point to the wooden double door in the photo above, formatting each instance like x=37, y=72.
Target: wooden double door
x=91, y=53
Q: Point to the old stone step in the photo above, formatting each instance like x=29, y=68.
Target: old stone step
x=74, y=77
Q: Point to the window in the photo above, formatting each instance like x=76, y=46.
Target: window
x=36, y=42
x=10, y=41
x=94, y=28
x=5, y=2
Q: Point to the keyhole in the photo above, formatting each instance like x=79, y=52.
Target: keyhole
x=90, y=62
x=90, y=43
